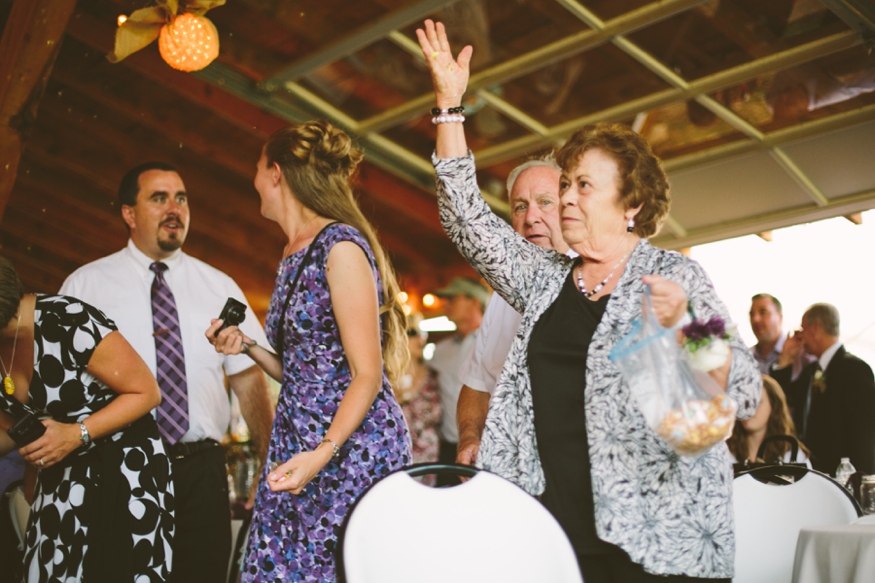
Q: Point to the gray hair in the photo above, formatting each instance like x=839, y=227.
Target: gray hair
x=548, y=160
x=826, y=315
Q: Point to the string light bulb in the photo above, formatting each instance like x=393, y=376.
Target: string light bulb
x=189, y=42
x=428, y=300
x=122, y=19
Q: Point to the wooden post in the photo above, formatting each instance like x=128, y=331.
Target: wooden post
x=29, y=46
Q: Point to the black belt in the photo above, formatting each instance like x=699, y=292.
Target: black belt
x=182, y=450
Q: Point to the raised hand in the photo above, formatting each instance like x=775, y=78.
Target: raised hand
x=449, y=75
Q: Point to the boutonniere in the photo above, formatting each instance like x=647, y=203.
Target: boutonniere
x=707, y=343
x=819, y=382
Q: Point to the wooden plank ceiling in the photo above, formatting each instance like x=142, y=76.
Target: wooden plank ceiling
x=698, y=78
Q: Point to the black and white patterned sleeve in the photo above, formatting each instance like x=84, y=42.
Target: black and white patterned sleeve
x=506, y=260
x=85, y=327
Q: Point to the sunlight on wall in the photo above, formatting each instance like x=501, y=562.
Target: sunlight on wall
x=827, y=261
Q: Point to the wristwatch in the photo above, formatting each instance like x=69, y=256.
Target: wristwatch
x=84, y=436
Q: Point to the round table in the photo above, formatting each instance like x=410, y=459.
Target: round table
x=836, y=554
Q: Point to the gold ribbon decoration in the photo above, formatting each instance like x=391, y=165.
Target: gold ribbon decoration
x=143, y=26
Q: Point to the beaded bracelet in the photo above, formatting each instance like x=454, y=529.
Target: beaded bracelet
x=334, y=447
x=451, y=115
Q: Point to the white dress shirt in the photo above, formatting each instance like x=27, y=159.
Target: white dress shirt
x=495, y=335
x=120, y=286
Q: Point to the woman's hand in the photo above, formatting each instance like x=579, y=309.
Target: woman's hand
x=669, y=299
x=296, y=473
x=59, y=440
x=228, y=341
x=449, y=76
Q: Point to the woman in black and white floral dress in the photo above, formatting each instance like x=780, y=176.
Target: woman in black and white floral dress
x=103, y=506
x=562, y=423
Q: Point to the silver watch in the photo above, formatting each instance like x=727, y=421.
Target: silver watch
x=84, y=435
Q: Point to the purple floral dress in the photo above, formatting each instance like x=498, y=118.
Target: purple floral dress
x=293, y=538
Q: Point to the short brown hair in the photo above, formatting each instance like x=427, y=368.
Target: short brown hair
x=642, y=180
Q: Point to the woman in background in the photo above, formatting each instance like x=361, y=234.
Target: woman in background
x=772, y=417
x=417, y=391
x=338, y=330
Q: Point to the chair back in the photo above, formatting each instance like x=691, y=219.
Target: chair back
x=772, y=504
x=485, y=529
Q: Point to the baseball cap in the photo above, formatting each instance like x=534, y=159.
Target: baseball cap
x=465, y=286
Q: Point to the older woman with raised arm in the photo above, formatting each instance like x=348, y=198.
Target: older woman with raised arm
x=562, y=423
x=103, y=506
x=338, y=328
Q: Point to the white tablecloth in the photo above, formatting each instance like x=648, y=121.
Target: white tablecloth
x=836, y=554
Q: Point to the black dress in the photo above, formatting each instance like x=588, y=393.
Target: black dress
x=557, y=365
x=105, y=513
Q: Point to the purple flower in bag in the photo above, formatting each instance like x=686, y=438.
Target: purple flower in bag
x=707, y=337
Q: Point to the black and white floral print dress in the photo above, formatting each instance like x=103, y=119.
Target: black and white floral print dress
x=671, y=514
x=105, y=514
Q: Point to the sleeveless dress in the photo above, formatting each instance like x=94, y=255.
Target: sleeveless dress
x=293, y=538
x=105, y=512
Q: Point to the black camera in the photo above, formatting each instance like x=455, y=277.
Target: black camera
x=232, y=314
x=27, y=429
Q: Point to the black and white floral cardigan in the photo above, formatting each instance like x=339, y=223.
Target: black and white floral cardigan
x=671, y=514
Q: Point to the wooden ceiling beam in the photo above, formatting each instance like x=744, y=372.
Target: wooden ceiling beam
x=108, y=150
x=29, y=46
x=88, y=30
x=101, y=36
x=167, y=122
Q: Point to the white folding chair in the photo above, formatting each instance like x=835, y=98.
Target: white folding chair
x=769, y=516
x=486, y=529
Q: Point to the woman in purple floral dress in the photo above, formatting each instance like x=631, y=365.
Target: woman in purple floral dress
x=334, y=320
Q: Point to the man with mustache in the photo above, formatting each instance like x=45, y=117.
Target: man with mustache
x=162, y=300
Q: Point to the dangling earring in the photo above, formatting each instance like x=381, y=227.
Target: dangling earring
x=630, y=225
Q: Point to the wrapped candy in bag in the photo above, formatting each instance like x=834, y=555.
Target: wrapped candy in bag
x=680, y=402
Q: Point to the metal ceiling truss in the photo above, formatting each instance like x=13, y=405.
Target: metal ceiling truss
x=842, y=206
x=291, y=101
x=358, y=40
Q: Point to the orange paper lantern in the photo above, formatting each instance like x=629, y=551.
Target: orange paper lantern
x=189, y=42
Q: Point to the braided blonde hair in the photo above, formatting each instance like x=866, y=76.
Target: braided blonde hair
x=318, y=161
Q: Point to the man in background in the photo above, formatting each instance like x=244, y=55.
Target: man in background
x=833, y=400
x=162, y=301
x=465, y=300
x=767, y=323
x=533, y=194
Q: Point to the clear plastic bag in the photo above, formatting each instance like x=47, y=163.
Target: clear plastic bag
x=684, y=406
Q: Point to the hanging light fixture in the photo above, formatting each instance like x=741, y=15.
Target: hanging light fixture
x=187, y=40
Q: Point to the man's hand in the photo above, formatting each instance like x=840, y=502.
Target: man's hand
x=793, y=346
x=471, y=418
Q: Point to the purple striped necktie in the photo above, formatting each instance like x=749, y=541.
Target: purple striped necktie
x=173, y=411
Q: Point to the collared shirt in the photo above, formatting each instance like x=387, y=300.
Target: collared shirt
x=120, y=285
x=449, y=357
x=494, y=337
x=827, y=355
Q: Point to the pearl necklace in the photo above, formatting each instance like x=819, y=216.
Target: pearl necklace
x=8, y=384
x=582, y=287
